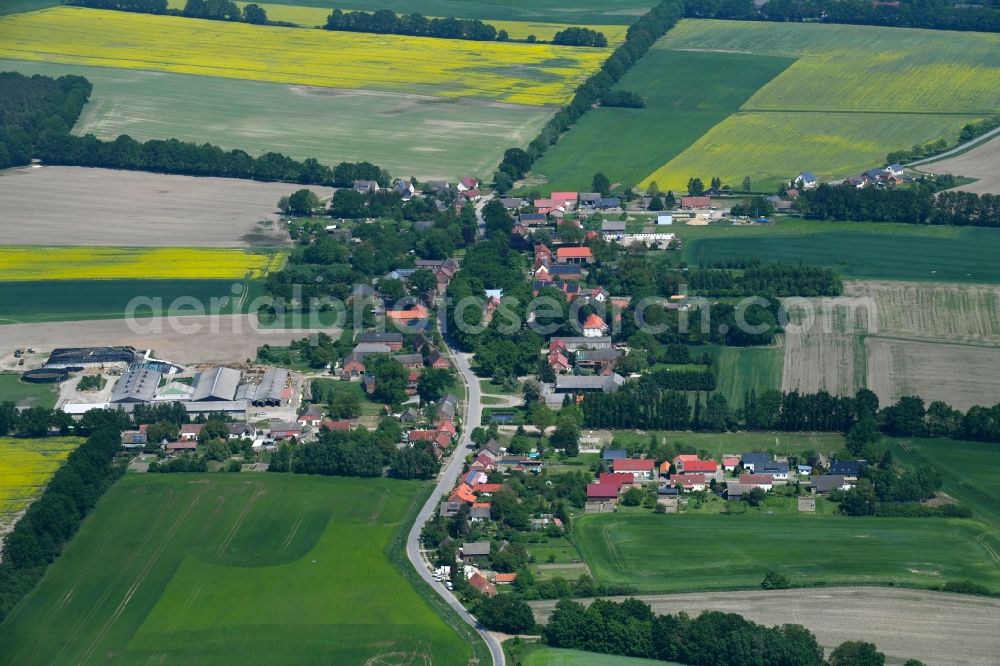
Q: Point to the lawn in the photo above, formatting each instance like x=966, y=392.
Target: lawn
x=890, y=252
x=488, y=387
x=716, y=444
x=677, y=553
x=69, y=300
x=967, y=469
x=742, y=369
x=445, y=138
x=26, y=465
x=23, y=394
x=27, y=264
x=512, y=72
x=327, y=387
x=686, y=93
x=588, y=12
x=235, y=569
x=852, y=95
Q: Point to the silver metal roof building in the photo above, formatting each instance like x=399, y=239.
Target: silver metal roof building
x=271, y=388
x=137, y=385
x=216, y=384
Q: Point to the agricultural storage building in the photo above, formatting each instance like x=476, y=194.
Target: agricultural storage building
x=68, y=357
x=137, y=385
x=270, y=391
x=218, y=384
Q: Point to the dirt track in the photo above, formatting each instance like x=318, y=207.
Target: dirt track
x=234, y=339
x=81, y=206
x=935, y=627
x=982, y=162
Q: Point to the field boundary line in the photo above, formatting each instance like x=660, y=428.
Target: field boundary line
x=239, y=522
x=291, y=535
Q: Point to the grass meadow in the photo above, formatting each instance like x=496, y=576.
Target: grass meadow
x=686, y=93
x=534, y=74
x=670, y=553
x=235, y=569
x=540, y=655
x=967, y=469
x=857, y=250
x=742, y=369
x=24, y=394
x=26, y=465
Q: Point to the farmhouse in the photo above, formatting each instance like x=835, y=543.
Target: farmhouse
x=481, y=585
x=690, y=482
x=285, y=430
x=477, y=550
x=762, y=481
x=640, y=469
x=311, y=417
x=394, y=341
x=594, y=327
x=602, y=492
x=696, y=202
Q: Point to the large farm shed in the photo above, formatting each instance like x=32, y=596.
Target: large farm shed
x=137, y=385
x=217, y=384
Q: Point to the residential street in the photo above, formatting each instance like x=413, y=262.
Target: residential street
x=446, y=481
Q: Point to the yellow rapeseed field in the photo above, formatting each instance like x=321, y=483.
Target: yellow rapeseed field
x=26, y=465
x=18, y=264
x=314, y=16
x=501, y=71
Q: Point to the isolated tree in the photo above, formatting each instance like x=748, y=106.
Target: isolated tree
x=670, y=201
x=775, y=581
x=856, y=653
x=746, y=184
x=601, y=184
x=303, y=202
x=254, y=14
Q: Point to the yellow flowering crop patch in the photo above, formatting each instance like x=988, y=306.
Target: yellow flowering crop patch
x=502, y=71
x=315, y=16
x=26, y=465
x=18, y=264
x=773, y=147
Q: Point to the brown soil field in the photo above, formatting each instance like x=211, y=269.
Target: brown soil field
x=960, y=375
x=82, y=206
x=234, y=338
x=982, y=163
x=928, y=310
x=823, y=355
x=935, y=627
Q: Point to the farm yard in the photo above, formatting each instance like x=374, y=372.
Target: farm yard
x=444, y=138
x=25, y=467
x=214, y=568
x=947, y=629
x=137, y=209
x=536, y=74
x=686, y=93
x=666, y=553
x=960, y=375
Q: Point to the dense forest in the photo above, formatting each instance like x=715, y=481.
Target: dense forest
x=919, y=204
x=753, y=277
x=641, y=35
x=33, y=108
x=935, y=14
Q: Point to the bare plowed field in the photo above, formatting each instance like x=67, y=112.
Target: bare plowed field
x=982, y=163
x=937, y=628
x=926, y=310
x=822, y=353
x=201, y=339
x=80, y=206
x=960, y=375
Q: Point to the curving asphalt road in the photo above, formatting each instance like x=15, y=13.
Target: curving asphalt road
x=447, y=480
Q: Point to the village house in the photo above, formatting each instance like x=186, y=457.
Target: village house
x=849, y=469
x=640, y=469
x=600, y=493
x=806, y=181
x=594, y=327
x=366, y=186
x=755, y=462
x=690, y=203
x=730, y=463
x=312, y=416
x=475, y=551
x=394, y=341
x=190, y=431
x=827, y=483
x=181, y=447
x=690, y=482
x=763, y=481
x=574, y=255
x=285, y=430
x=479, y=583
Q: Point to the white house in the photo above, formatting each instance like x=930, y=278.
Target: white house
x=806, y=180
x=594, y=327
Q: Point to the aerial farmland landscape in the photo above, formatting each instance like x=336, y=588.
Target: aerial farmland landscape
x=516, y=333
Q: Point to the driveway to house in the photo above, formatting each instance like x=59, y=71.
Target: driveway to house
x=447, y=480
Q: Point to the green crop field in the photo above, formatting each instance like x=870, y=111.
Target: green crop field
x=742, y=369
x=70, y=300
x=716, y=444
x=422, y=136
x=588, y=12
x=18, y=6
x=686, y=92
x=853, y=94
x=23, y=394
x=234, y=569
x=669, y=553
x=967, y=469
x=545, y=656
x=891, y=252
